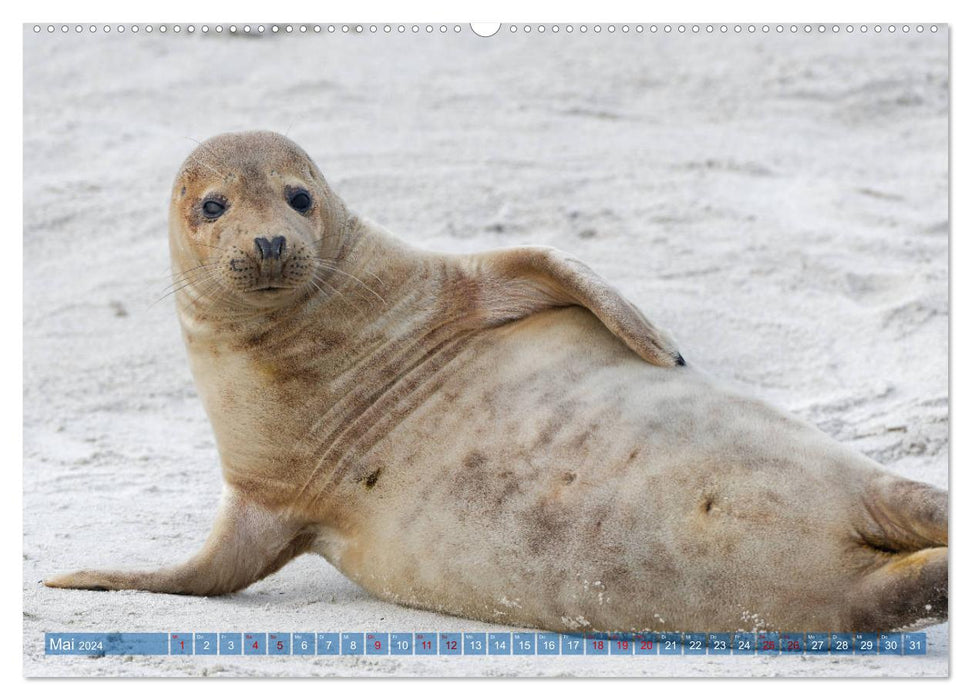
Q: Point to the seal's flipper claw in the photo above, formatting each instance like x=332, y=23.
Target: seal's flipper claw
x=246, y=544
x=522, y=281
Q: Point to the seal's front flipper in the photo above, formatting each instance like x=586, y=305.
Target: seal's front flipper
x=521, y=281
x=246, y=544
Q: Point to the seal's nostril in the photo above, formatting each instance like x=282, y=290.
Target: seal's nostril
x=277, y=247
x=270, y=250
x=263, y=247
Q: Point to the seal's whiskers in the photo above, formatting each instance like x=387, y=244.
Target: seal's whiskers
x=326, y=264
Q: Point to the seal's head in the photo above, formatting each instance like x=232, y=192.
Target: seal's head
x=252, y=220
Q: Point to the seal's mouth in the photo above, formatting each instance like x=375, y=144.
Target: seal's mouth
x=272, y=273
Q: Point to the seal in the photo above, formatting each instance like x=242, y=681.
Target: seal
x=502, y=435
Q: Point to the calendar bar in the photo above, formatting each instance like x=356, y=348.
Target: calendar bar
x=95, y=644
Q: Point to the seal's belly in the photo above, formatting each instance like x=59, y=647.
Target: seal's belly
x=556, y=480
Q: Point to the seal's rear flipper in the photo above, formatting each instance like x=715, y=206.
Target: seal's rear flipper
x=903, y=515
x=246, y=544
x=522, y=281
x=905, y=527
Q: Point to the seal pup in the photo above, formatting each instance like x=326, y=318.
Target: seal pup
x=502, y=436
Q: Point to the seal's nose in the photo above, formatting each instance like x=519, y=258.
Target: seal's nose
x=270, y=250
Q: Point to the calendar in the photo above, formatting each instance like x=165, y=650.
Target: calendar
x=481, y=644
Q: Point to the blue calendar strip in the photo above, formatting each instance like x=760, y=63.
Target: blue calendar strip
x=95, y=644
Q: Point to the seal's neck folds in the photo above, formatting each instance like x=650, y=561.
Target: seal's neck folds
x=303, y=378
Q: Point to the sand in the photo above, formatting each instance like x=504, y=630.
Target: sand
x=779, y=203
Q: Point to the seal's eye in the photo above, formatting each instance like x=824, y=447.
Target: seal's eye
x=213, y=208
x=300, y=200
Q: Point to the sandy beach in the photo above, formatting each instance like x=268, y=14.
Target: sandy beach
x=779, y=203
